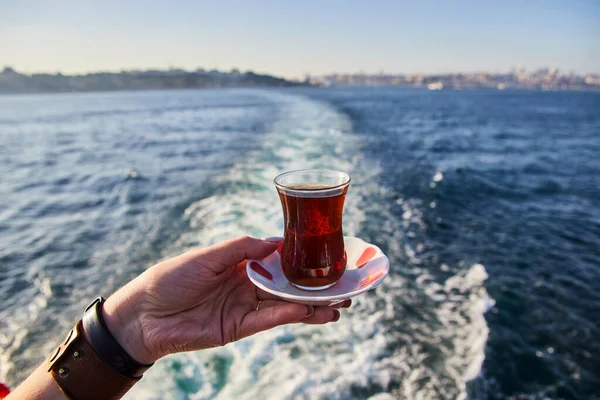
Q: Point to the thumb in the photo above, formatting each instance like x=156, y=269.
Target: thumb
x=225, y=255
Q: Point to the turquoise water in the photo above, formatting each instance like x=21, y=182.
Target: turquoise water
x=485, y=202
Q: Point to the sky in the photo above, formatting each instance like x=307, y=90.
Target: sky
x=290, y=38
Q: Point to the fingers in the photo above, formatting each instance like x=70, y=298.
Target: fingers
x=272, y=313
x=262, y=295
x=224, y=255
x=322, y=315
x=278, y=313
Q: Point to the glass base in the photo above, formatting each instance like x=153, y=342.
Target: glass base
x=313, y=288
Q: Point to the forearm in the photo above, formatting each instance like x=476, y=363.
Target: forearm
x=38, y=386
x=122, y=325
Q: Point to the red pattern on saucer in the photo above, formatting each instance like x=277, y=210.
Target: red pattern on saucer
x=259, y=269
x=365, y=257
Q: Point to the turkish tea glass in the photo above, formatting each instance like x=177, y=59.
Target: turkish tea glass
x=313, y=255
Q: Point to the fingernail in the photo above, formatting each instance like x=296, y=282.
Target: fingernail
x=310, y=311
x=336, y=316
x=347, y=303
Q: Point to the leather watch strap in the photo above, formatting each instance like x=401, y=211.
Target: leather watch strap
x=106, y=346
x=81, y=374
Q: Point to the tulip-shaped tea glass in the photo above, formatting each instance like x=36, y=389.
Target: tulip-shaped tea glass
x=313, y=256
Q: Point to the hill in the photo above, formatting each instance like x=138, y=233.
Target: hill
x=12, y=81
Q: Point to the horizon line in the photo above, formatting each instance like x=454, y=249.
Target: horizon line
x=303, y=76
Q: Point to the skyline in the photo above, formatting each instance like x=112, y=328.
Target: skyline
x=290, y=40
x=12, y=82
x=518, y=69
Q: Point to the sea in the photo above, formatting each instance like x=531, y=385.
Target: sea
x=486, y=203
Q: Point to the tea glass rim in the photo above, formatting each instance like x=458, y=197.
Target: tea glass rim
x=344, y=175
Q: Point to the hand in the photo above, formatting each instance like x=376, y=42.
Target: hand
x=201, y=299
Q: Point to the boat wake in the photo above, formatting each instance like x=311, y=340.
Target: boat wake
x=421, y=334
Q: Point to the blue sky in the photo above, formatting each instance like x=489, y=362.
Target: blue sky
x=290, y=38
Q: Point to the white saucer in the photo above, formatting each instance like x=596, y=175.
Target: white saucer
x=367, y=267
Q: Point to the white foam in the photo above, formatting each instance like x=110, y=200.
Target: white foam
x=17, y=328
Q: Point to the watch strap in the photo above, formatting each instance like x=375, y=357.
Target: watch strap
x=106, y=346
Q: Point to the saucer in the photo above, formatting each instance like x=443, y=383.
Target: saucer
x=367, y=266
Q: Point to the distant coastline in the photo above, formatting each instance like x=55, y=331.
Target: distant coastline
x=518, y=78
x=13, y=82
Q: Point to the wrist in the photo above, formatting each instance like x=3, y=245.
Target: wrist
x=124, y=321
